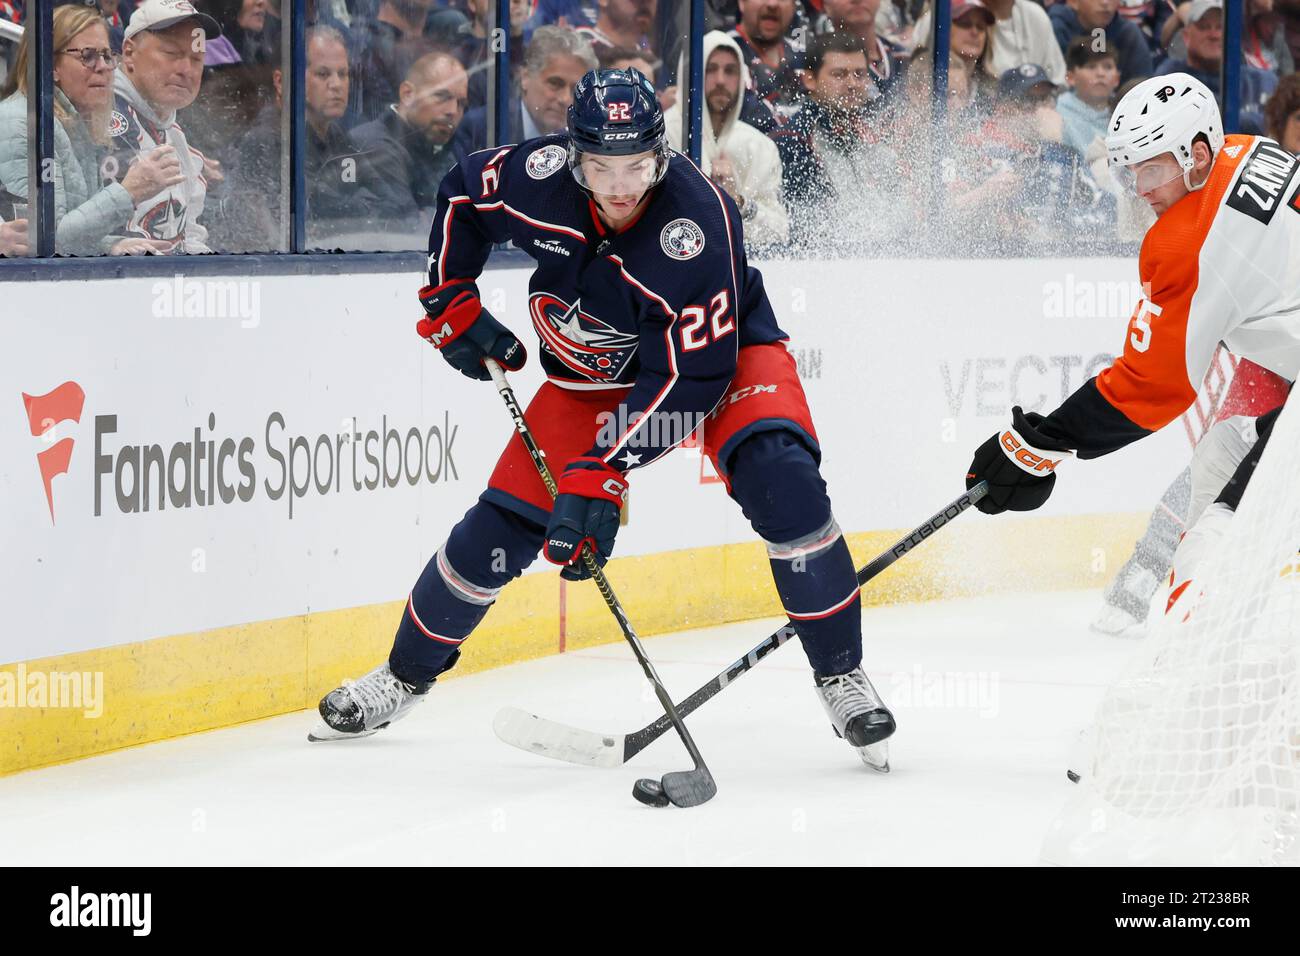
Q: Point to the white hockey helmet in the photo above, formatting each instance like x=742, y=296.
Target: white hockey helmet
x=1164, y=114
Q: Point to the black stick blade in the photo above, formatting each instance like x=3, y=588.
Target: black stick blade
x=689, y=788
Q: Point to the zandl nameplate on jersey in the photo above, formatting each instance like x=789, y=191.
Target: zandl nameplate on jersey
x=1265, y=177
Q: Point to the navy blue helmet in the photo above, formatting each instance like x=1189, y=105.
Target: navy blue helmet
x=615, y=113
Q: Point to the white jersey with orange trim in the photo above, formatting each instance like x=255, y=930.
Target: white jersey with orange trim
x=1220, y=265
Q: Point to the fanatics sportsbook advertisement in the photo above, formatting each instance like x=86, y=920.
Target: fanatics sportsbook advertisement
x=427, y=424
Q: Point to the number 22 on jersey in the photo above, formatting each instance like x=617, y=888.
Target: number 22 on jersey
x=694, y=333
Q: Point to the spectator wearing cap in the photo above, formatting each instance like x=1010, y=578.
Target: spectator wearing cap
x=839, y=173
x=555, y=60
x=886, y=59
x=412, y=144
x=1092, y=76
x=970, y=45
x=622, y=23
x=1282, y=114
x=1003, y=179
x=345, y=190
x=1075, y=17
x=85, y=211
x=1203, y=36
x=738, y=158
x=1263, y=42
x=1025, y=111
x=161, y=73
x=770, y=59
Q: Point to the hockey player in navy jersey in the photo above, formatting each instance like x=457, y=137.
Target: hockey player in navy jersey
x=648, y=315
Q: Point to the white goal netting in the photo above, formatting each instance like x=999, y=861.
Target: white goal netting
x=1196, y=750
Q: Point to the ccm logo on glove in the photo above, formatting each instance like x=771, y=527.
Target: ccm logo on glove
x=1032, y=460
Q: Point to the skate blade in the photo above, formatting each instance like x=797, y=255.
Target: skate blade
x=875, y=756
x=322, y=732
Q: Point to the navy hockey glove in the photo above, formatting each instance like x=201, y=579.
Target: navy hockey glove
x=464, y=332
x=585, y=514
x=1019, y=463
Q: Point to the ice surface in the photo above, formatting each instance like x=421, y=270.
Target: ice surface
x=990, y=694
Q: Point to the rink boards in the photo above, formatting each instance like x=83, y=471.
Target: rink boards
x=217, y=491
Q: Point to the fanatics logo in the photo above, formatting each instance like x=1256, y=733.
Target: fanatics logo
x=44, y=413
x=682, y=239
x=545, y=161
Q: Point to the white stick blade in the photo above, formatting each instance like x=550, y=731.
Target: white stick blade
x=537, y=735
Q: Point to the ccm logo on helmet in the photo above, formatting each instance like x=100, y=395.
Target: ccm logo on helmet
x=1028, y=460
x=619, y=136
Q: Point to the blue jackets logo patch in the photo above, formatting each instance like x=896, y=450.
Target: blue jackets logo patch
x=682, y=239
x=545, y=161
x=583, y=343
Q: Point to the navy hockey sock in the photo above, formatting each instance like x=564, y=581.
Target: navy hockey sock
x=776, y=481
x=486, y=550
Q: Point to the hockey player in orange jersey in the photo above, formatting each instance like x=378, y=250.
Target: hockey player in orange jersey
x=1220, y=264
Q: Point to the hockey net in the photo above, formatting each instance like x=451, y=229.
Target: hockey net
x=1196, y=750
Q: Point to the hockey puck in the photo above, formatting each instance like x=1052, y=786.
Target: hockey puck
x=650, y=792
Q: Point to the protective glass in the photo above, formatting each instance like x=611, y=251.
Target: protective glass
x=1141, y=181
x=619, y=175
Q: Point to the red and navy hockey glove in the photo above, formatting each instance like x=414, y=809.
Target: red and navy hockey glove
x=458, y=326
x=585, y=514
x=1019, y=463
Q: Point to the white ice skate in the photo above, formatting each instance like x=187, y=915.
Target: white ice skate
x=1126, y=604
x=366, y=706
x=858, y=715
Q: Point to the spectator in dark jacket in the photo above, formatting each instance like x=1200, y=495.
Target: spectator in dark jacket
x=377, y=53
x=556, y=59
x=772, y=61
x=1084, y=16
x=345, y=192
x=411, y=144
x=836, y=168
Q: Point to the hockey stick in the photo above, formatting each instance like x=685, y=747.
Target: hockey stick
x=683, y=788
x=561, y=742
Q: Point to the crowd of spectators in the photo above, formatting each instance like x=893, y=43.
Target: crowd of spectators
x=170, y=114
